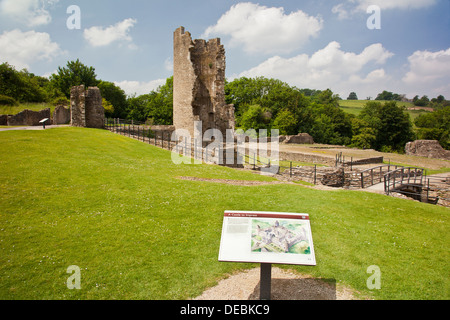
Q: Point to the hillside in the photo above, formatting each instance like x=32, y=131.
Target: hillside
x=355, y=107
x=117, y=208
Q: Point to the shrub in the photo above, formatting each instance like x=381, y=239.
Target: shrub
x=61, y=101
x=7, y=101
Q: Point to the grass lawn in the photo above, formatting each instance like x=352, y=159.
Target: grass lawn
x=114, y=207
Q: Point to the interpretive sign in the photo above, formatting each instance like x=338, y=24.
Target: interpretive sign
x=267, y=237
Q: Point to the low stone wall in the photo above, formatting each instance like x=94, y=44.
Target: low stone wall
x=29, y=118
x=3, y=120
x=327, y=176
x=359, y=162
x=309, y=158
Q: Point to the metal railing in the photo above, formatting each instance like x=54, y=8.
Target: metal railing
x=375, y=175
x=403, y=176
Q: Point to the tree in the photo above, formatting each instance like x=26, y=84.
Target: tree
x=422, y=102
x=389, y=123
x=385, y=95
x=109, y=108
x=21, y=85
x=286, y=123
x=75, y=74
x=435, y=126
x=116, y=97
x=253, y=118
x=365, y=139
x=352, y=96
x=160, y=104
x=156, y=106
x=389, y=96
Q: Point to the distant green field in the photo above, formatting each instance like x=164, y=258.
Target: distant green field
x=355, y=106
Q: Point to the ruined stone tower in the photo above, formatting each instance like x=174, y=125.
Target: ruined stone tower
x=86, y=108
x=199, y=84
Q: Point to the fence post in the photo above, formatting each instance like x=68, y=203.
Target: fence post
x=195, y=149
x=386, y=185
x=315, y=174
x=362, y=180
x=290, y=169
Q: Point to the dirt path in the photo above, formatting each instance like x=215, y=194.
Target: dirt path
x=32, y=127
x=286, y=285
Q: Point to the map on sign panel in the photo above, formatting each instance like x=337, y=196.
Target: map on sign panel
x=267, y=237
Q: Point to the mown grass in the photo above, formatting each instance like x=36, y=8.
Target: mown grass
x=114, y=207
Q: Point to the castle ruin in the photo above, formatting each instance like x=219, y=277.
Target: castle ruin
x=86, y=108
x=199, y=84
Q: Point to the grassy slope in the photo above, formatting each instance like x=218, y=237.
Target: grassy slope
x=29, y=106
x=355, y=107
x=113, y=207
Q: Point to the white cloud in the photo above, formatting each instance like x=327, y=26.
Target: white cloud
x=31, y=12
x=265, y=30
x=340, y=11
x=168, y=64
x=139, y=88
x=99, y=36
x=429, y=72
x=329, y=67
x=345, y=9
x=23, y=48
x=397, y=4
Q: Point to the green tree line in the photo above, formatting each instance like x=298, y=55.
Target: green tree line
x=260, y=103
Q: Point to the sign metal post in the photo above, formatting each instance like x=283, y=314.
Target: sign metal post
x=267, y=238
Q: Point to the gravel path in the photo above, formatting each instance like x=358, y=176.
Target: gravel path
x=286, y=285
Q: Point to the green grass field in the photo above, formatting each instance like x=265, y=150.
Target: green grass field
x=355, y=107
x=30, y=106
x=114, y=207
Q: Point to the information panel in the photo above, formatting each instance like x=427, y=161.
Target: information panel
x=267, y=237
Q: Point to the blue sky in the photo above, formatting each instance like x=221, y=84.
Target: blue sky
x=314, y=44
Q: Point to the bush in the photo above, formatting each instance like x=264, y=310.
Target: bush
x=61, y=101
x=7, y=101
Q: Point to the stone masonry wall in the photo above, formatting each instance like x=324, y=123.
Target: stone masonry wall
x=199, y=84
x=78, y=106
x=86, y=108
x=29, y=118
x=61, y=115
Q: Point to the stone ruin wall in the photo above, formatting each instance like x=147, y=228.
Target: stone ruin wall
x=199, y=84
x=61, y=115
x=427, y=148
x=28, y=118
x=86, y=108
